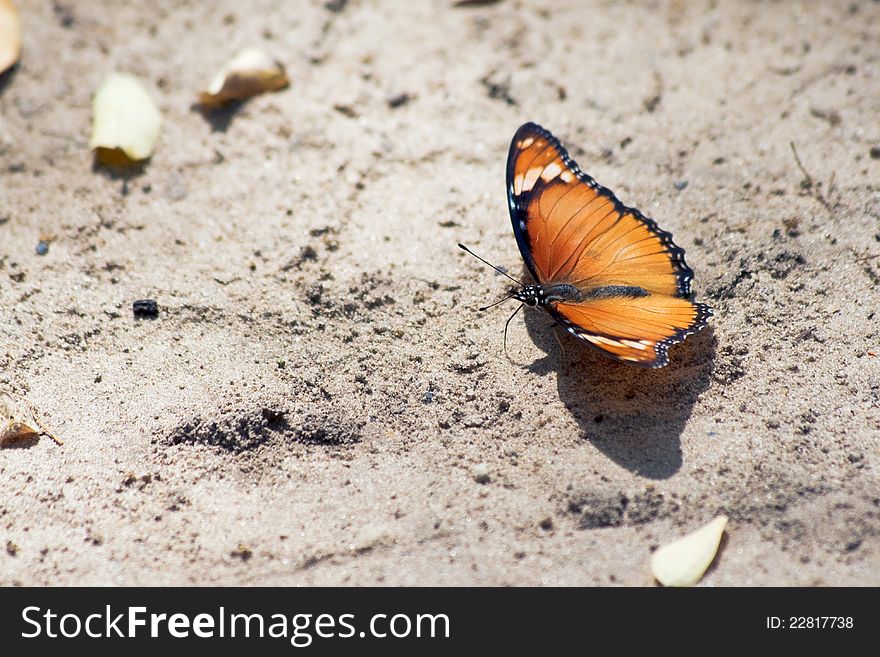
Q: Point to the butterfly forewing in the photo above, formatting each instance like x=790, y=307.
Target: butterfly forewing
x=572, y=230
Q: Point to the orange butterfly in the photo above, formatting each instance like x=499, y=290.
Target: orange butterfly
x=604, y=271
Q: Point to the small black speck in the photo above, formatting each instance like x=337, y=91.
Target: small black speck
x=145, y=308
x=875, y=152
x=399, y=100
x=681, y=185
x=852, y=546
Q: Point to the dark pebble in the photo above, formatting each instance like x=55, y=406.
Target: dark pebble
x=399, y=100
x=145, y=308
x=42, y=248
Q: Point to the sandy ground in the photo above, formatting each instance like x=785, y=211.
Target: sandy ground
x=318, y=396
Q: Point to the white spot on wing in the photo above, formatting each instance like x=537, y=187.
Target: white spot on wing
x=531, y=178
x=599, y=339
x=553, y=169
x=525, y=143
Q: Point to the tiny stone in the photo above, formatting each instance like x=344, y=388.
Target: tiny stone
x=42, y=248
x=875, y=152
x=242, y=552
x=145, y=308
x=681, y=185
x=547, y=523
x=399, y=100
x=481, y=473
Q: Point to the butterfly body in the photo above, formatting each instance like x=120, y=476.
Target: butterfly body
x=546, y=296
x=605, y=272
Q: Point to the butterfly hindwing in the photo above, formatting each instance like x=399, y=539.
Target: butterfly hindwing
x=637, y=329
x=571, y=230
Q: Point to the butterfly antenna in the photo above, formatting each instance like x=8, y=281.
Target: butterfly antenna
x=484, y=261
x=492, y=305
x=507, y=324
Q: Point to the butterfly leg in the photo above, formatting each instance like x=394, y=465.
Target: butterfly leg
x=507, y=325
x=564, y=357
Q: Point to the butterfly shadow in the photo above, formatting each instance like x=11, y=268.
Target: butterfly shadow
x=635, y=416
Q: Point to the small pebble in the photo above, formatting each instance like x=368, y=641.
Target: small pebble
x=42, y=248
x=145, y=308
x=875, y=152
x=481, y=473
x=399, y=100
x=681, y=185
x=242, y=552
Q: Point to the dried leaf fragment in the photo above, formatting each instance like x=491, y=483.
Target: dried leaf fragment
x=126, y=121
x=250, y=72
x=684, y=561
x=16, y=418
x=13, y=431
x=10, y=35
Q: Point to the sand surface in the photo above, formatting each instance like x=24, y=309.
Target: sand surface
x=319, y=401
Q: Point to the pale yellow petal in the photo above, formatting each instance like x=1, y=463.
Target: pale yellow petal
x=10, y=35
x=684, y=561
x=126, y=120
